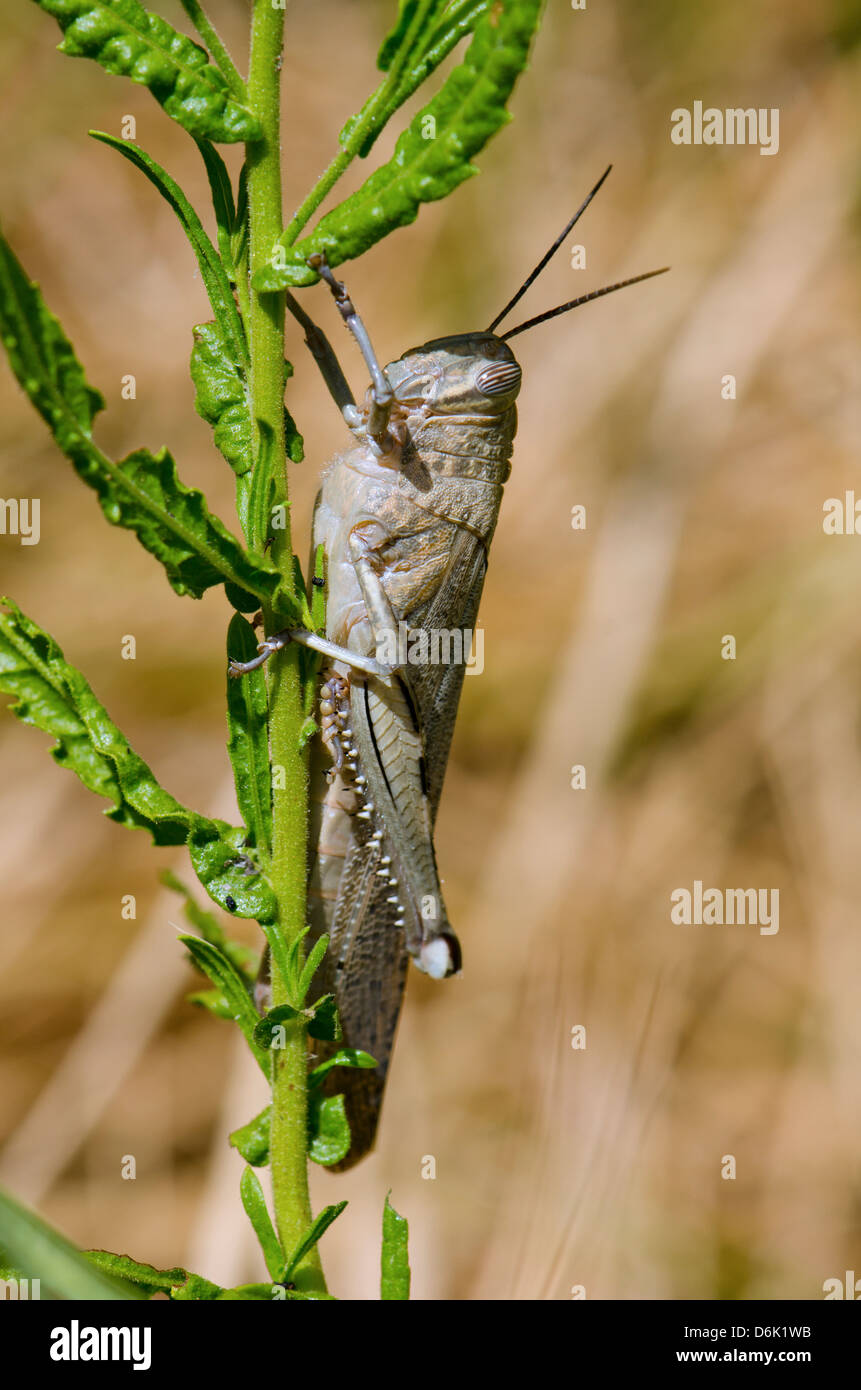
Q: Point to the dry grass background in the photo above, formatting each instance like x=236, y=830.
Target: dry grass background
x=554, y=1167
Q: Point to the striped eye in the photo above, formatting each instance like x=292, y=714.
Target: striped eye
x=501, y=377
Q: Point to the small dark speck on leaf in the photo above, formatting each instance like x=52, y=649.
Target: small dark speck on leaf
x=230, y=903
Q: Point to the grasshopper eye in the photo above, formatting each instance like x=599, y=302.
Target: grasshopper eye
x=498, y=379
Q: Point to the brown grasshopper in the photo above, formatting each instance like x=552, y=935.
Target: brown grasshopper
x=405, y=519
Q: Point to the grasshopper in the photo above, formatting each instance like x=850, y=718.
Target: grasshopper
x=405, y=519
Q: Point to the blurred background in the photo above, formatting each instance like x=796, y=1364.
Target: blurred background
x=554, y=1167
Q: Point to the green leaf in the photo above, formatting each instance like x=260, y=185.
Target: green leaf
x=400, y=51
x=42, y=357
x=315, y=1231
x=436, y=44
x=222, y=396
x=468, y=110
x=325, y=1023
x=245, y=958
x=223, y=204
x=309, y=969
x=149, y=1280
x=141, y=493
x=394, y=1261
x=252, y=1140
x=293, y=966
x=213, y=1001
x=248, y=737
x=267, y=1030
x=328, y=1130
x=227, y=979
x=124, y=39
x=257, y=1212
x=258, y=494
x=39, y=1252
x=53, y=695
x=344, y=1057
x=255, y=494
x=239, y=239
x=416, y=46
x=196, y=1289
x=228, y=871
x=212, y=272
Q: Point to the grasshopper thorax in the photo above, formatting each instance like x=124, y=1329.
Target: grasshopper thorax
x=467, y=373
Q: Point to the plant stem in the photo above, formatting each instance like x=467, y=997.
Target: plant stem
x=288, y=1139
x=211, y=37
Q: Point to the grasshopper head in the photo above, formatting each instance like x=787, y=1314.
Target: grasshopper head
x=467, y=374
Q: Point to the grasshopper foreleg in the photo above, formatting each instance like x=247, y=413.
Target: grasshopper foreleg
x=377, y=427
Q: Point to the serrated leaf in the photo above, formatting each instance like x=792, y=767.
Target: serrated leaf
x=468, y=110
x=148, y=1279
x=257, y=1212
x=344, y=1057
x=42, y=357
x=227, y=979
x=252, y=1140
x=328, y=1130
x=315, y=1231
x=128, y=41
x=35, y=1249
x=248, y=737
x=53, y=695
x=142, y=492
x=221, y=396
x=394, y=1259
x=212, y=272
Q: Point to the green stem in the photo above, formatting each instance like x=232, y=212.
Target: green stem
x=208, y=32
x=288, y=1139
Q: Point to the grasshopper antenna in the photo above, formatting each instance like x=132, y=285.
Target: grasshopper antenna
x=584, y=299
x=553, y=249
